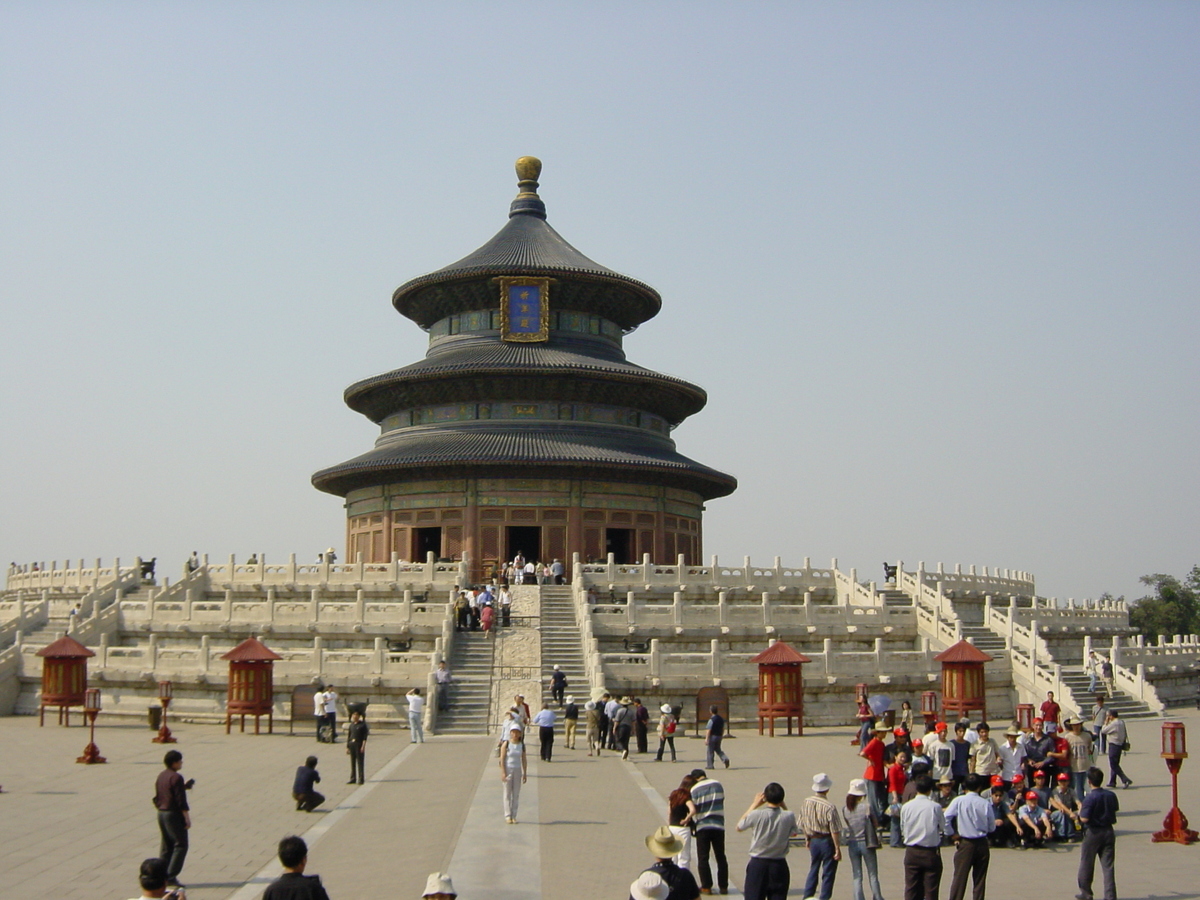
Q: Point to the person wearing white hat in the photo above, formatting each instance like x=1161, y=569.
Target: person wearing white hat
x=592, y=710
x=649, y=886
x=821, y=823
x=862, y=839
x=666, y=731
x=570, y=722
x=558, y=685
x=681, y=884
x=439, y=887
x=767, y=873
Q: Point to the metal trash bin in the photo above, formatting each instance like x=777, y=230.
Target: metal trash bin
x=154, y=717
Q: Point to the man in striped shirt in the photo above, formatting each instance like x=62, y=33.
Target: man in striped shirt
x=709, y=796
x=822, y=825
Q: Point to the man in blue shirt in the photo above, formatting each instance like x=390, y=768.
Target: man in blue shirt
x=1099, y=815
x=713, y=737
x=971, y=820
x=303, y=791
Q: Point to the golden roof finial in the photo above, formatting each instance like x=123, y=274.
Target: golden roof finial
x=528, y=170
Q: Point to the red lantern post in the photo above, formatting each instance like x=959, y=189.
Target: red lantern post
x=165, y=692
x=929, y=709
x=91, y=708
x=1174, y=751
x=1025, y=716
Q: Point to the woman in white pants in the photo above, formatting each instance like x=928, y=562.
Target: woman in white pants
x=512, y=764
x=416, y=710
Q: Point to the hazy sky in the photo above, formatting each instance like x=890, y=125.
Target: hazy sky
x=937, y=265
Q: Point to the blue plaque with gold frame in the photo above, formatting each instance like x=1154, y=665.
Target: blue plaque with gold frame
x=524, y=309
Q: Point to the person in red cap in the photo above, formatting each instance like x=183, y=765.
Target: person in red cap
x=1034, y=821
x=1064, y=809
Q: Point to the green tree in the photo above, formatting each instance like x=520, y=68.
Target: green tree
x=1172, y=608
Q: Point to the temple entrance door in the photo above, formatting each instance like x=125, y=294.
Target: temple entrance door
x=524, y=539
x=620, y=543
x=425, y=541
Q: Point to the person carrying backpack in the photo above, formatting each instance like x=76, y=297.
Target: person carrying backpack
x=666, y=731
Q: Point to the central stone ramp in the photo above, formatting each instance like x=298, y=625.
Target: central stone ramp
x=562, y=644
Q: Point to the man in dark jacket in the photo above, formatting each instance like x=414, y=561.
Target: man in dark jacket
x=293, y=884
x=303, y=792
x=356, y=746
x=174, y=817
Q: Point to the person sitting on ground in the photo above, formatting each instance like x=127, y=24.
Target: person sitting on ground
x=152, y=877
x=664, y=845
x=1007, y=829
x=439, y=887
x=303, y=792
x=1064, y=809
x=1034, y=822
x=1042, y=788
x=293, y=884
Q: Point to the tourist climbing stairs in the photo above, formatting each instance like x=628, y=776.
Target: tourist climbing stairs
x=562, y=644
x=471, y=691
x=1077, y=680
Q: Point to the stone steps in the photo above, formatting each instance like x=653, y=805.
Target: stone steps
x=471, y=691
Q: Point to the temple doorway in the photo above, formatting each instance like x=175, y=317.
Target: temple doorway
x=526, y=540
x=620, y=543
x=426, y=541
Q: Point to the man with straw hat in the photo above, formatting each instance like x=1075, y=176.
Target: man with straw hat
x=767, y=873
x=681, y=884
x=822, y=824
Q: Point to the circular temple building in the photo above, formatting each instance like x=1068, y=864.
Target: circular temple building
x=525, y=429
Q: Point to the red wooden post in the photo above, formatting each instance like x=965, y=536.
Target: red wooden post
x=251, y=689
x=780, y=687
x=1174, y=751
x=64, y=677
x=963, y=687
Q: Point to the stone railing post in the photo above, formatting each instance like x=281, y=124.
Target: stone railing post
x=655, y=658
x=291, y=569
x=377, y=664
x=227, y=605
x=630, y=603
x=406, y=606
x=677, y=608
x=722, y=608
x=827, y=653
x=314, y=602
x=204, y=653
x=430, y=561
x=318, y=655
x=766, y=609
x=715, y=653
x=359, y=607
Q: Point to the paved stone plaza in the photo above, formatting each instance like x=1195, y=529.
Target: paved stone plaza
x=73, y=831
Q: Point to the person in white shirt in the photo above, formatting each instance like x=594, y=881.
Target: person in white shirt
x=416, y=710
x=544, y=720
x=969, y=816
x=331, y=699
x=1012, y=756
x=319, y=710
x=923, y=824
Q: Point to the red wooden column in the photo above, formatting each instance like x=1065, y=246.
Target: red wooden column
x=251, y=688
x=963, y=688
x=780, y=687
x=64, y=677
